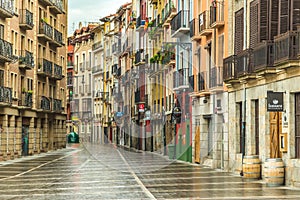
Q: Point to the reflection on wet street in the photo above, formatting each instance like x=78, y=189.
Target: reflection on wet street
x=106, y=172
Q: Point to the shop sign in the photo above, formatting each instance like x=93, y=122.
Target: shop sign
x=274, y=101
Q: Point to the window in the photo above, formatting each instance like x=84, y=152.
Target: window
x=1, y=31
x=1, y=78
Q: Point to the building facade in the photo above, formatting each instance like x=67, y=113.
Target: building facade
x=32, y=77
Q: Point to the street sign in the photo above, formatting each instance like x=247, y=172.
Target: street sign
x=142, y=107
x=274, y=101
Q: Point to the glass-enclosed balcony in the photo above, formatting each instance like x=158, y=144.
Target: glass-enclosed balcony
x=6, y=8
x=45, y=31
x=5, y=96
x=26, y=60
x=6, y=52
x=58, y=72
x=57, y=7
x=180, y=23
x=25, y=100
x=44, y=67
x=286, y=49
x=26, y=19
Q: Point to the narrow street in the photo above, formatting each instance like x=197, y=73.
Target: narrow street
x=107, y=172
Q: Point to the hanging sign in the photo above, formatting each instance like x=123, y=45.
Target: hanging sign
x=274, y=101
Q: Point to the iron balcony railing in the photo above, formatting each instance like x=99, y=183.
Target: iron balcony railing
x=97, y=68
x=263, y=55
x=26, y=99
x=59, y=4
x=58, y=72
x=229, y=67
x=216, y=13
x=216, y=77
x=7, y=8
x=286, y=47
x=181, y=20
x=5, y=95
x=58, y=37
x=44, y=103
x=45, y=67
x=57, y=105
x=26, y=19
x=191, y=82
x=194, y=27
x=180, y=78
x=202, y=80
x=204, y=21
x=26, y=59
x=6, y=52
x=97, y=45
x=244, y=63
x=46, y=29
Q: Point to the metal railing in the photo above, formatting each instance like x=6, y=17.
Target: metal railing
x=202, y=80
x=26, y=58
x=6, y=50
x=244, y=62
x=58, y=37
x=181, y=20
x=58, y=72
x=44, y=103
x=204, y=21
x=57, y=105
x=45, y=66
x=217, y=12
x=216, y=77
x=7, y=6
x=263, y=55
x=26, y=99
x=26, y=17
x=229, y=68
x=46, y=29
x=5, y=94
x=286, y=47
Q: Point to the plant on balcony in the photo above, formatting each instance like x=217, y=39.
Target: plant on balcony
x=29, y=91
x=152, y=60
x=150, y=24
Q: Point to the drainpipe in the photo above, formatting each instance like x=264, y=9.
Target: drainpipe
x=244, y=84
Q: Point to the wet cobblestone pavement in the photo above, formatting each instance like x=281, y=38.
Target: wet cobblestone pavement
x=107, y=172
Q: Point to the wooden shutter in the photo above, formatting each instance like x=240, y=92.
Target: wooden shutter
x=239, y=31
x=275, y=130
x=297, y=125
x=254, y=23
x=1, y=78
x=284, y=16
x=273, y=13
x=295, y=14
x=263, y=20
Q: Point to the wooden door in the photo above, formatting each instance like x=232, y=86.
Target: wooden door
x=197, y=145
x=275, y=130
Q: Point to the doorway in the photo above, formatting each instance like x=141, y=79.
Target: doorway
x=25, y=140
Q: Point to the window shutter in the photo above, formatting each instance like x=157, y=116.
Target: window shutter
x=263, y=24
x=239, y=31
x=284, y=16
x=1, y=78
x=274, y=5
x=295, y=14
x=220, y=50
x=254, y=23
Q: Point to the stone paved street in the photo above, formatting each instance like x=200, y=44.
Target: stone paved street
x=107, y=172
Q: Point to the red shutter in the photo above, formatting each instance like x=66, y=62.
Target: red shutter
x=239, y=31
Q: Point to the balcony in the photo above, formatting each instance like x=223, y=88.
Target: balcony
x=204, y=24
x=97, y=46
x=25, y=101
x=168, y=59
x=216, y=79
x=217, y=15
x=6, y=8
x=44, y=103
x=192, y=83
x=5, y=96
x=180, y=23
x=263, y=58
x=97, y=69
x=180, y=79
x=194, y=29
x=26, y=60
x=116, y=47
x=97, y=94
x=45, y=32
x=140, y=24
x=44, y=67
x=57, y=39
x=139, y=60
x=57, y=105
x=286, y=49
x=244, y=64
x=202, y=82
x=5, y=51
x=86, y=114
x=170, y=12
x=46, y=2
x=57, y=7
x=26, y=19
x=229, y=67
x=58, y=72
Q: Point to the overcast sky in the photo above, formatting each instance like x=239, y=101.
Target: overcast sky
x=90, y=11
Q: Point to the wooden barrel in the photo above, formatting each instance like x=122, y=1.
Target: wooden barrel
x=274, y=172
x=251, y=167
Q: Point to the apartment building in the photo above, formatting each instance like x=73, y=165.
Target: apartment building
x=82, y=85
x=261, y=71
x=32, y=71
